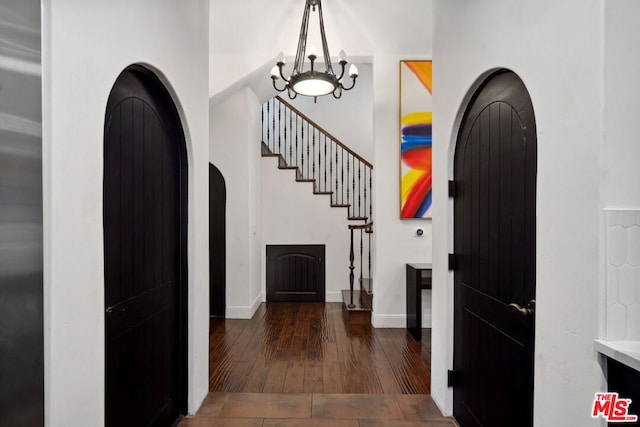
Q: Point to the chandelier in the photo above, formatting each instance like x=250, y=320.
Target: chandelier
x=313, y=82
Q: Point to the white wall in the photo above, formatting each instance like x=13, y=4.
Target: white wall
x=85, y=47
x=396, y=241
x=620, y=150
x=255, y=190
x=556, y=48
x=360, y=27
x=382, y=30
x=235, y=151
x=621, y=144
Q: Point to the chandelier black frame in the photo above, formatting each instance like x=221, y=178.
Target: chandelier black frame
x=313, y=82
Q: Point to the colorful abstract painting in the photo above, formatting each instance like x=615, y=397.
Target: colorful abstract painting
x=415, y=141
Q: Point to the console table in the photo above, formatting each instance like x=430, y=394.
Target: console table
x=418, y=278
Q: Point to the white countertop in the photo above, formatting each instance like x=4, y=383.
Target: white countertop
x=625, y=352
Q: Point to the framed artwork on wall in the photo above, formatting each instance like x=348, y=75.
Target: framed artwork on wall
x=415, y=139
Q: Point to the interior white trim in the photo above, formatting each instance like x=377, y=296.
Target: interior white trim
x=333, y=296
x=389, y=320
x=244, y=312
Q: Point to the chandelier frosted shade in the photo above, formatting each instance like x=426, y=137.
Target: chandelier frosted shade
x=313, y=82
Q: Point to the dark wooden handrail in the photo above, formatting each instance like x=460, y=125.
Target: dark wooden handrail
x=361, y=226
x=321, y=129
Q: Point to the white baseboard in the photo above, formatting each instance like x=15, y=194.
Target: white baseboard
x=394, y=321
x=243, y=312
x=194, y=405
x=333, y=296
x=389, y=320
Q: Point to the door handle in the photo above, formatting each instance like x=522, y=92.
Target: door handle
x=113, y=309
x=525, y=311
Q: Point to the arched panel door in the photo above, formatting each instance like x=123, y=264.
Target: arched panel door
x=495, y=249
x=217, y=242
x=145, y=254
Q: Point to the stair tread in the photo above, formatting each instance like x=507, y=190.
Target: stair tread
x=358, y=218
x=265, y=150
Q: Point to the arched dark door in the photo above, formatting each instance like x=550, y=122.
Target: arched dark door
x=217, y=242
x=145, y=253
x=495, y=277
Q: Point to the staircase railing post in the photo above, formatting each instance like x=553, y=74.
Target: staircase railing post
x=361, y=262
x=273, y=125
x=369, y=259
x=351, y=277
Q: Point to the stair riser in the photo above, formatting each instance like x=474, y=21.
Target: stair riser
x=356, y=317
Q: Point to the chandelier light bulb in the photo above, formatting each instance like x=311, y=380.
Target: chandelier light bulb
x=275, y=72
x=343, y=55
x=353, y=70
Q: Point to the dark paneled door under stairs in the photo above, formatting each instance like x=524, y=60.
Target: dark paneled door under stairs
x=145, y=254
x=295, y=273
x=495, y=253
x=217, y=242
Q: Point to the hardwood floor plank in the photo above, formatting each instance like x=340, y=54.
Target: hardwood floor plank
x=305, y=347
x=241, y=355
x=221, y=360
x=313, y=377
x=257, y=378
x=411, y=373
x=294, y=381
x=331, y=377
x=384, y=370
x=276, y=376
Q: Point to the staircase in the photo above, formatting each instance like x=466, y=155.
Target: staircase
x=337, y=171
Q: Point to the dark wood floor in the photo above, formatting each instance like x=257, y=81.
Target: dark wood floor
x=305, y=348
